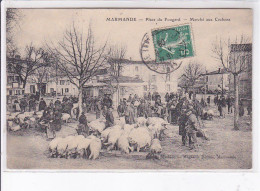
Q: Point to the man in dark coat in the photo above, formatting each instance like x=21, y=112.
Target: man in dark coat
x=57, y=105
x=83, y=128
x=149, y=96
x=98, y=109
x=167, y=97
x=109, y=118
x=208, y=100
x=141, y=109
x=65, y=99
x=32, y=105
x=182, y=123
x=129, y=114
x=42, y=105
x=121, y=109
x=23, y=104
x=57, y=120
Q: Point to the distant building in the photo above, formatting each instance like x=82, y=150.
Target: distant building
x=210, y=82
x=216, y=81
x=152, y=81
x=244, y=51
x=14, y=83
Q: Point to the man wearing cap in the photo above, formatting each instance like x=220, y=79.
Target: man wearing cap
x=191, y=129
x=83, y=128
x=121, y=109
x=129, y=114
x=42, y=105
x=98, y=109
x=109, y=118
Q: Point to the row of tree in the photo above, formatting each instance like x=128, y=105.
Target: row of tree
x=79, y=57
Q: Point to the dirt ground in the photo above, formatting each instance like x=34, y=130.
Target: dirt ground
x=226, y=149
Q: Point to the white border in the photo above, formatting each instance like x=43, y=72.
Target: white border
x=133, y=4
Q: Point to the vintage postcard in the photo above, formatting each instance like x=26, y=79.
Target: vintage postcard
x=132, y=88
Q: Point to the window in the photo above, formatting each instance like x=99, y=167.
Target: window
x=52, y=90
x=17, y=79
x=32, y=89
x=62, y=82
x=136, y=68
x=10, y=92
x=207, y=78
x=145, y=87
x=68, y=82
x=66, y=90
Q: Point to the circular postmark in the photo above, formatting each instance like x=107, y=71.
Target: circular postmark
x=162, y=50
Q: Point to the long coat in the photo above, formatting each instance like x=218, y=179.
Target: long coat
x=129, y=115
x=109, y=119
x=42, y=105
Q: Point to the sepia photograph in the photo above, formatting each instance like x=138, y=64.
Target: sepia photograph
x=99, y=88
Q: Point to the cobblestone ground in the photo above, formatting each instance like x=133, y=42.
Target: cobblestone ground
x=226, y=149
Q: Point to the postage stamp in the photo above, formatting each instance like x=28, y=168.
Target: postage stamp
x=173, y=43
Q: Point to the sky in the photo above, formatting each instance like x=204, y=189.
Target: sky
x=38, y=26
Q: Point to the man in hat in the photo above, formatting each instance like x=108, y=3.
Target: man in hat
x=109, y=118
x=130, y=113
x=57, y=104
x=23, y=104
x=42, y=104
x=32, y=104
x=141, y=109
x=191, y=129
x=182, y=123
x=98, y=109
x=83, y=128
x=121, y=109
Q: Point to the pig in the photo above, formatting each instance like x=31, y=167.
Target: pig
x=53, y=146
x=113, y=137
x=140, y=138
x=62, y=146
x=95, y=148
x=104, y=134
x=73, y=144
x=97, y=125
x=156, y=146
x=123, y=144
x=83, y=147
x=141, y=121
x=120, y=121
x=128, y=128
x=65, y=117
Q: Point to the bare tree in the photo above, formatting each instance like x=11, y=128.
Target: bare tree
x=13, y=17
x=44, y=75
x=34, y=59
x=79, y=58
x=116, y=63
x=233, y=58
x=192, y=72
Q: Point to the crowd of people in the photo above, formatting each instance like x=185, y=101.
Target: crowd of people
x=179, y=109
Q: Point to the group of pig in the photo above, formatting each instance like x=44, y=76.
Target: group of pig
x=18, y=120
x=134, y=137
x=75, y=147
x=143, y=135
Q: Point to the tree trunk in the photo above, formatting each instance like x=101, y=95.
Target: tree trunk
x=236, y=106
x=80, y=100
x=118, y=94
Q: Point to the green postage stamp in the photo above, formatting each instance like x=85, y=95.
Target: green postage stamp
x=173, y=43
